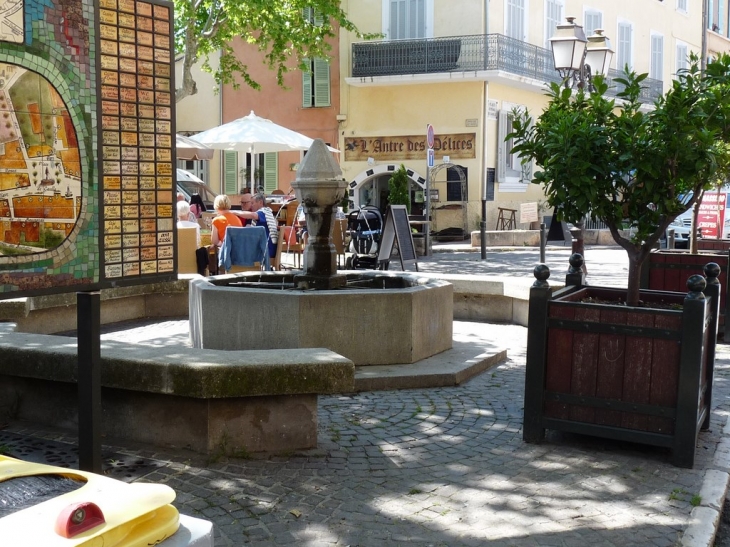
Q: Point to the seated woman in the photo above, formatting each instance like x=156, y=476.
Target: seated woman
x=197, y=207
x=183, y=212
x=223, y=219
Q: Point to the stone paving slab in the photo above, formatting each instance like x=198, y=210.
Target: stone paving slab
x=442, y=467
x=447, y=466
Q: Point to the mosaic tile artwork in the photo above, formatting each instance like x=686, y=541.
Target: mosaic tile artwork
x=86, y=145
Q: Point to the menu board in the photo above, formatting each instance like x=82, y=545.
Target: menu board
x=137, y=171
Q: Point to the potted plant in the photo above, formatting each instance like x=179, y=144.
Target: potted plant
x=398, y=189
x=588, y=347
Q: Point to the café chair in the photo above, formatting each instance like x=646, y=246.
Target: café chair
x=187, y=243
x=288, y=237
x=244, y=249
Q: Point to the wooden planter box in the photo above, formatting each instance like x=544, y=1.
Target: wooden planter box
x=713, y=244
x=635, y=374
x=669, y=270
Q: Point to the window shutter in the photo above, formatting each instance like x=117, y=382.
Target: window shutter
x=307, y=85
x=230, y=172
x=624, y=46
x=553, y=17
x=516, y=19
x=308, y=14
x=321, y=82
x=593, y=20
x=502, y=132
x=271, y=172
x=681, y=57
x=682, y=5
x=657, y=57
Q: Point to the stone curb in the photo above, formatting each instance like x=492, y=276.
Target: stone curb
x=705, y=518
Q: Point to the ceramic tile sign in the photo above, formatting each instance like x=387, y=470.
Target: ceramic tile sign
x=86, y=145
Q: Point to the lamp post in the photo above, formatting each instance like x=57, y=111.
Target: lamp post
x=578, y=59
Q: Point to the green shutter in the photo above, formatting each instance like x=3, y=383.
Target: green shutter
x=308, y=14
x=271, y=172
x=230, y=172
x=307, y=85
x=321, y=83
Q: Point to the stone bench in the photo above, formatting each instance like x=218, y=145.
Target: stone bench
x=214, y=402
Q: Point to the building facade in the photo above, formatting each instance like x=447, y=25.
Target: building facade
x=463, y=72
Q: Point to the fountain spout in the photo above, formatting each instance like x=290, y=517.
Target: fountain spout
x=319, y=187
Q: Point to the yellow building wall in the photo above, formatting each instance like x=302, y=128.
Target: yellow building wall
x=199, y=112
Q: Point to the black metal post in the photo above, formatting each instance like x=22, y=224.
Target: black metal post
x=543, y=242
x=575, y=275
x=483, y=230
x=88, y=325
x=533, y=430
x=690, y=366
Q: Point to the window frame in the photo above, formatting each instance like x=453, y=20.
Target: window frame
x=509, y=178
x=681, y=59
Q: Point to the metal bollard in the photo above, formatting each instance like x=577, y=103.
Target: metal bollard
x=543, y=242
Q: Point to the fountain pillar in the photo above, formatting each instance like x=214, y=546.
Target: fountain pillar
x=319, y=187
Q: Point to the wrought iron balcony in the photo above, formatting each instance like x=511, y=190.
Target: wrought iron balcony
x=491, y=52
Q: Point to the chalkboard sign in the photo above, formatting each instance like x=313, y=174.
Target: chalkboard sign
x=397, y=230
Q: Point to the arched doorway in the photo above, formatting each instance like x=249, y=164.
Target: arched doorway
x=370, y=187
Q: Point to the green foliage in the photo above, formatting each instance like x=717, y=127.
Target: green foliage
x=282, y=30
x=398, y=189
x=628, y=163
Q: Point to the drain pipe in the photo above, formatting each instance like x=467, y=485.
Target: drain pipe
x=485, y=111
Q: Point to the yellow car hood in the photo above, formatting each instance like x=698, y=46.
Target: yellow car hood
x=137, y=514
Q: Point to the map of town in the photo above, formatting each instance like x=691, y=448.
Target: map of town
x=40, y=169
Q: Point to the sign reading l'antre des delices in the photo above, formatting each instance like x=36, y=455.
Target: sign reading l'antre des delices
x=409, y=147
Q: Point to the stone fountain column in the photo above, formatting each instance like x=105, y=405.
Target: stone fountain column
x=319, y=187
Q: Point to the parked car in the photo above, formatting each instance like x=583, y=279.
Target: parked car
x=682, y=226
x=189, y=184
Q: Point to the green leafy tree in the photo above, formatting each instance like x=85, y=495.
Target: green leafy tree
x=282, y=30
x=625, y=164
x=398, y=189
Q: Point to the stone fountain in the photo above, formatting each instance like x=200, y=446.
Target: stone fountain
x=371, y=317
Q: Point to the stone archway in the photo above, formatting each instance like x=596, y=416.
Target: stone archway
x=376, y=171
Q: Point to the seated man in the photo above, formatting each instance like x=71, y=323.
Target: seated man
x=262, y=216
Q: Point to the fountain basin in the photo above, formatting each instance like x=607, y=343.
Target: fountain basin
x=379, y=318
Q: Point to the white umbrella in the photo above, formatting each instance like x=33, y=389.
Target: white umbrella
x=255, y=135
x=188, y=149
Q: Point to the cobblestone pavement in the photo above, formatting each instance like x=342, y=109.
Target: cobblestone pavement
x=437, y=467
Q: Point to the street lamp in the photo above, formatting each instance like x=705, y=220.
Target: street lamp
x=578, y=59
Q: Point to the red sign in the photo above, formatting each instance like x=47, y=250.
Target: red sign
x=711, y=218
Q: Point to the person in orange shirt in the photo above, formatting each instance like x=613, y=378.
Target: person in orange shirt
x=224, y=219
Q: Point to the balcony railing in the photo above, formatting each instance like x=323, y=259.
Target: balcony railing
x=468, y=54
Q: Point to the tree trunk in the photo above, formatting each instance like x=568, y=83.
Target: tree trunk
x=634, y=281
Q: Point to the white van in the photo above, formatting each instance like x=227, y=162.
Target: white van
x=188, y=184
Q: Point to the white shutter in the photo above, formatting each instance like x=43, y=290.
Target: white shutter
x=682, y=63
x=407, y=19
x=503, y=129
x=321, y=82
x=271, y=172
x=230, y=172
x=623, y=53
x=682, y=5
x=516, y=19
x=656, y=70
x=592, y=20
x=307, y=84
x=553, y=17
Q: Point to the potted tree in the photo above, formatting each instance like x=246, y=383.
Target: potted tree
x=398, y=189
x=595, y=355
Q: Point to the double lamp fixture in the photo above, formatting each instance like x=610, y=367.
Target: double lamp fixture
x=578, y=59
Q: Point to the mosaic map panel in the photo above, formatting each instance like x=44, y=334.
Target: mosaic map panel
x=86, y=145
